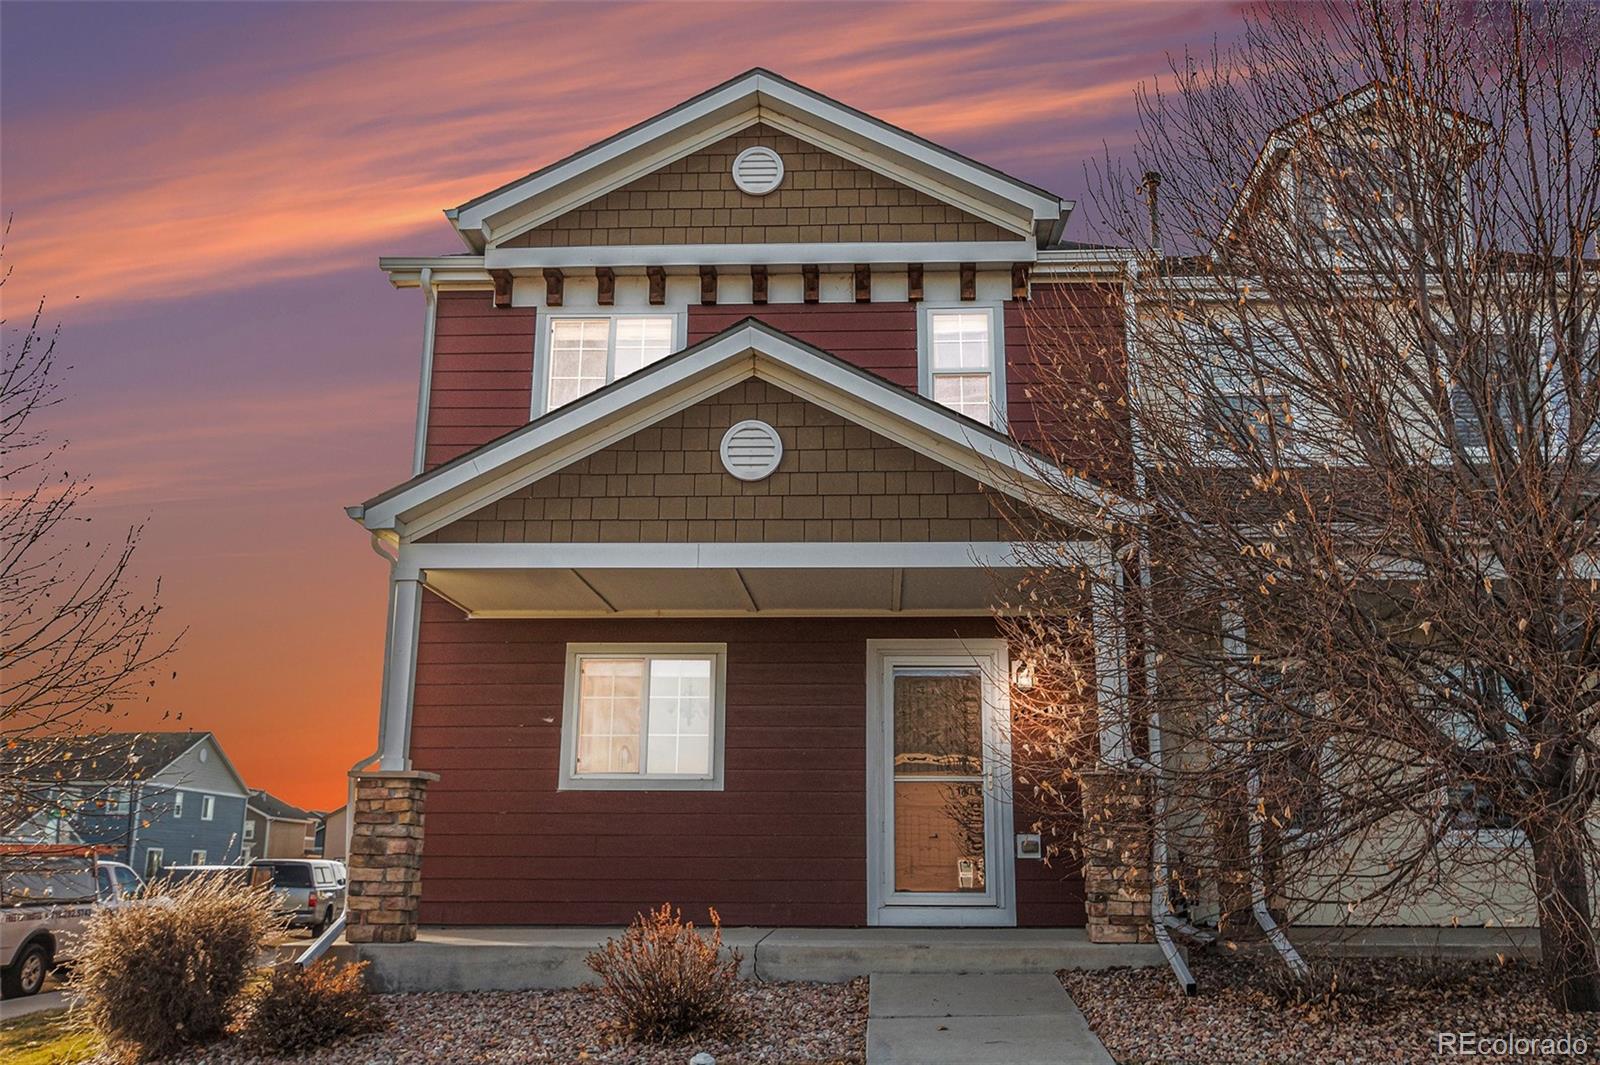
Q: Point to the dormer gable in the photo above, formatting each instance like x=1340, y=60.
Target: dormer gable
x=819, y=134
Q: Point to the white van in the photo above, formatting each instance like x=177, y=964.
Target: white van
x=47, y=893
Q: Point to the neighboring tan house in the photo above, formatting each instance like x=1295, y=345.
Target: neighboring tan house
x=725, y=424
x=335, y=825
x=150, y=799
x=276, y=829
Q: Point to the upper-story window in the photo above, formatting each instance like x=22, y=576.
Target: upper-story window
x=961, y=360
x=583, y=352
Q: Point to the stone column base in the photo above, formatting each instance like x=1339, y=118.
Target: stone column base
x=385, y=860
x=1116, y=855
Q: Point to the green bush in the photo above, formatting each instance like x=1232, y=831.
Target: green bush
x=299, y=1009
x=663, y=979
x=166, y=973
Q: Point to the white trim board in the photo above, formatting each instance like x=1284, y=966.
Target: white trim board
x=881, y=253
x=755, y=96
x=745, y=350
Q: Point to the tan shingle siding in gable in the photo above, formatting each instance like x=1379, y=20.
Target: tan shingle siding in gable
x=823, y=199
x=838, y=482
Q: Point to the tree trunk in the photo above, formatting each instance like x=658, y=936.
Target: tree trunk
x=1566, y=925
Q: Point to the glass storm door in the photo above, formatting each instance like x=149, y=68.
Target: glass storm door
x=943, y=848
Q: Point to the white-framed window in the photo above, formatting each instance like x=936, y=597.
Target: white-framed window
x=114, y=800
x=578, y=352
x=197, y=857
x=961, y=357
x=249, y=829
x=177, y=804
x=643, y=717
x=1238, y=418
x=208, y=807
x=153, y=862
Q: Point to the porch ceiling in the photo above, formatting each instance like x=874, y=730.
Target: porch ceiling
x=609, y=591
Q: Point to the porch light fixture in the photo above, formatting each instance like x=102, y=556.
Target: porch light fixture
x=757, y=171
x=1022, y=674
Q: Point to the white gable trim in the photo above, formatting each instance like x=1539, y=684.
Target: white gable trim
x=752, y=350
x=222, y=758
x=992, y=252
x=758, y=96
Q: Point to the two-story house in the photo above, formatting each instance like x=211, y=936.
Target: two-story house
x=725, y=436
x=277, y=829
x=150, y=799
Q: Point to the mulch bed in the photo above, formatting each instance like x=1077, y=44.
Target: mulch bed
x=1356, y=1010
x=788, y=1024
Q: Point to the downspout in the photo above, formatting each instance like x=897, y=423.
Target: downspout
x=430, y=296
x=1234, y=645
x=1161, y=918
x=335, y=931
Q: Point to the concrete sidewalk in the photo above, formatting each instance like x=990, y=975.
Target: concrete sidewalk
x=972, y=1018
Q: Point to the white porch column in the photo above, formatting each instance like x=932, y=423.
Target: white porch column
x=399, y=672
x=1111, y=671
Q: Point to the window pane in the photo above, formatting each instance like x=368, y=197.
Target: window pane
x=964, y=393
x=680, y=716
x=577, y=357
x=641, y=341
x=960, y=340
x=610, y=697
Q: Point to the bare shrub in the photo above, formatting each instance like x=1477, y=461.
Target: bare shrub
x=1329, y=992
x=298, y=1009
x=167, y=974
x=663, y=979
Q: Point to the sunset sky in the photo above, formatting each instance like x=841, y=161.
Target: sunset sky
x=201, y=192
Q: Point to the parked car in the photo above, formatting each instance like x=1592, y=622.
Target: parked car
x=47, y=894
x=310, y=890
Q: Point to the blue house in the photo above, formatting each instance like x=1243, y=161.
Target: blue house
x=151, y=799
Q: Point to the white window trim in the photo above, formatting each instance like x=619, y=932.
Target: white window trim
x=997, y=351
x=177, y=805
x=1234, y=386
x=541, y=343
x=154, y=859
x=249, y=829
x=197, y=856
x=571, y=781
x=208, y=807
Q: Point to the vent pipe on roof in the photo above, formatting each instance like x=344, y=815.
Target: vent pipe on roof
x=1152, y=190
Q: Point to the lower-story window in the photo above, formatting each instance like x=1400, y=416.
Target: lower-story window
x=643, y=717
x=197, y=857
x=153, y=863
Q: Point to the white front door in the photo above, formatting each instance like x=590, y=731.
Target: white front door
x=939, y=780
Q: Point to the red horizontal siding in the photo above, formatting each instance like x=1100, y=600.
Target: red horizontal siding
x=878, y=337
x=783, y=844
x=482, y=379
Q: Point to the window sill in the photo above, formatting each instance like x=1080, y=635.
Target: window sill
x=574, y=783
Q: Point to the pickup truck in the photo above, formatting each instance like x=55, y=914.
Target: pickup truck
x=47, y=894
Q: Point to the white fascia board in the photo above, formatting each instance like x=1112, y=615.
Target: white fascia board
x=880, y=137
x=416, y=559
x=731, y=99
x=445, y=270
x=1003, y=252
x=620, y=160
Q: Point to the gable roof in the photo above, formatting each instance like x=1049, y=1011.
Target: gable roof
x=759, y=95
x=748, y=348
x=269, y=805
x=111, y=756
x=1282, y=139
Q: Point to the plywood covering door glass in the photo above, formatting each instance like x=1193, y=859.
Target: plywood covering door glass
x=645, y=715
x=939, y=833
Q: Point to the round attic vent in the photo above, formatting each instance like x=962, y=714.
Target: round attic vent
x=751, y=450
x=758, y=170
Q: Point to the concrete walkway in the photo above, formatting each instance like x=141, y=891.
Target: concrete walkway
x=977, y=1019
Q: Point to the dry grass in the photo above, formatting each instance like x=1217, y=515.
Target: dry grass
x=167, y=974
x=664, y=980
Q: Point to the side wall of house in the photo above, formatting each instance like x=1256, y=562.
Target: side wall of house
x=783, y=844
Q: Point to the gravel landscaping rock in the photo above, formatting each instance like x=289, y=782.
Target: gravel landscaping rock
x=788, y=1024
x=1360, y=1010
